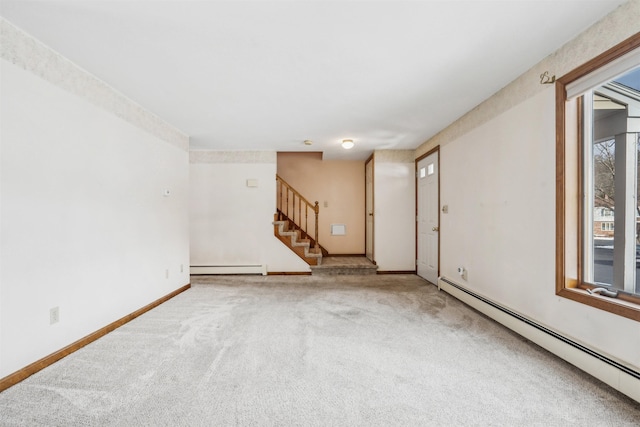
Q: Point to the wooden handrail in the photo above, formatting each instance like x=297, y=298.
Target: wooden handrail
x=293, y=190
x=284, y=203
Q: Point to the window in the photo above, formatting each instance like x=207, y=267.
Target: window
x=598, y=181
x=610, y=177
x=606, y=226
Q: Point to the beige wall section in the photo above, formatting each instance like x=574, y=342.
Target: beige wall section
x=339, y=183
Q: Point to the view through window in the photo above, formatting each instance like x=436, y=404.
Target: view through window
x=611, y=207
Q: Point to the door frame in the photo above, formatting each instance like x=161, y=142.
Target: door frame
x=435, y=149
x=373, y=219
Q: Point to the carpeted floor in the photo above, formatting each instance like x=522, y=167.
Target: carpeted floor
x=313, y=351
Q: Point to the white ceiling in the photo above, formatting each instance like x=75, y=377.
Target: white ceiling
x=266, y=75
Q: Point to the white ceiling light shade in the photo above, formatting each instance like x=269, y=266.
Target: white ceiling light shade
x=347, y=144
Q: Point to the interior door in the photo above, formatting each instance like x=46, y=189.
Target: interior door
x=428, y=220
x=368, y=178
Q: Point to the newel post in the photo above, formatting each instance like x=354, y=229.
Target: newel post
x=316, y=208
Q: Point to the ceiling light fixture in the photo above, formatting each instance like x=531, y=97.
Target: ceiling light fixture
x=308, y=142
x=347, y=144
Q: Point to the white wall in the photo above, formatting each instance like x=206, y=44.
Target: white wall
x=394, y=210
x=84, y=223
x=230, y=223
x=499, y=183
x=497, y=167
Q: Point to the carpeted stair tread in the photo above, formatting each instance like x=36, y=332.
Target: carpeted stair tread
x=338, y=266
x=302, y=247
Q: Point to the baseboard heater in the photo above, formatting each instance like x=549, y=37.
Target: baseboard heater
x=229, y=269
x=619, y=376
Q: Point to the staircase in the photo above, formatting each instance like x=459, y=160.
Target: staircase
x=292, y=237
x=296, y=223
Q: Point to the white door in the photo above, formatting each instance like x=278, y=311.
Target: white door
x=428, y=226
x=368, y=178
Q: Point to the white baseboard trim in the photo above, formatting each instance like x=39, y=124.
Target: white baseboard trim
x=229, y=269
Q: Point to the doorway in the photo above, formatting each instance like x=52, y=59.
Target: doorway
x=428, y=215
x=369, y=217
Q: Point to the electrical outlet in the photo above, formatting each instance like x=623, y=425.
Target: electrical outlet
x=54, y=315
x=181, y=268
x=166, y=273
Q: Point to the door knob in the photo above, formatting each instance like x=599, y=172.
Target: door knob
x=370, y=213
x=435, y=229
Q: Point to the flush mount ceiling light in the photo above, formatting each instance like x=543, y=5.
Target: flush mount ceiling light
x=308, y=142
x=347, y=144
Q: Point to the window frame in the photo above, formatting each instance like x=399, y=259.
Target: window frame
x=569, y=230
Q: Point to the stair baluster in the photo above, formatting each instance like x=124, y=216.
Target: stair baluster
x=287, y=197
x=316, y=208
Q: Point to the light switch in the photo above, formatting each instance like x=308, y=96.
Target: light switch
x=326, y=204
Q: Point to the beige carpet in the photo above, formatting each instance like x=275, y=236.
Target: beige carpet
x=313, y=351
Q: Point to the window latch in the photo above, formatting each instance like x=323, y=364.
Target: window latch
x=603, y=291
